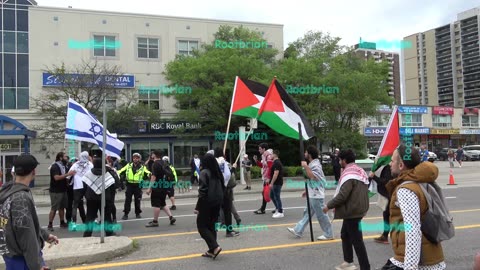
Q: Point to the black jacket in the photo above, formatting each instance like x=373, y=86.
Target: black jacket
x=109, y=192
x=382, y=181
x=210, y=191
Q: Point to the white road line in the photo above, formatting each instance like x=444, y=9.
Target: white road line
x=450, y=197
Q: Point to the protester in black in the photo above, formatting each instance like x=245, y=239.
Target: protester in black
x=336, y=165
x=58, y=190
x=276, y=183
x=158, y=191
x=210, y=197
x=385, y=177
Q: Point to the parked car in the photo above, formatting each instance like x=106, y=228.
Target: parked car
x=471, y=152
x=326, y=158
x=372, y=157
x=443, y=153
x=432, y=156
x=365, y=164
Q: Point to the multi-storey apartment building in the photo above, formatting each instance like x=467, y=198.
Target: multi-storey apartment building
x=35, y=37
x=443, y=67
x=394, y=66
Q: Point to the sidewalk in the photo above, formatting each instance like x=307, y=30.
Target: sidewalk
x=79, y=250
x=42, y=197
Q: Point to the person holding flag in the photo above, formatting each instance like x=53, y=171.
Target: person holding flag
x=266, y=163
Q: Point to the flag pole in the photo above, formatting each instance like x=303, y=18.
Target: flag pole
x=230, y=116
x=302, y=158
x=243, y=146
x=102, y=212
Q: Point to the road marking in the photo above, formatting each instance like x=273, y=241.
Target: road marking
x=450, y=197
x=243, y=250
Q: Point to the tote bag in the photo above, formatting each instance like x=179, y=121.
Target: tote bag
x=266, y=193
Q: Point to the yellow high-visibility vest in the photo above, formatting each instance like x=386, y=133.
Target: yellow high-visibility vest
x=134, y=178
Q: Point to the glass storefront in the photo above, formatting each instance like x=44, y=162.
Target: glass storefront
x=145, y=148
x=183, y=152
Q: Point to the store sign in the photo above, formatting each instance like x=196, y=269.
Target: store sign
x=369, y=131
x=416, y=130
x=384, y=109
x=445, y=131
x=439, y=136
x=412, y=109
x=116, y=81
x=443, y=110
x=167, y=127
x=469, y=131
x=5, y=146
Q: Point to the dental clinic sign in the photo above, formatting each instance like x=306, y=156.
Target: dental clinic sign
x=87, y=80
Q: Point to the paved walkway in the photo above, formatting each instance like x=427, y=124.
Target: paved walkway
x=42, y=198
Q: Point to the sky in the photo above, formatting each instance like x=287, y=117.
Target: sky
x=372, y=20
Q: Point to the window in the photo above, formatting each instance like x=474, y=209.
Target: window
x=22, y=98
x=22, y=42
x=9, y=19
x=186, y=47
x=378, y=121
x=22, y=70
x=469, y=120
x=150, y=99
x=411, y=120
x=442, y=120
x=22, y=20
x=10, y=98
x=9, y=40
x=104, y=46
x=147, y=48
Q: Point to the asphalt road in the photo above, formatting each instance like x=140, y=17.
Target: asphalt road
x=179, y=246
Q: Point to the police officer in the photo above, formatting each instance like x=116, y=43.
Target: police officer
x=135, y=173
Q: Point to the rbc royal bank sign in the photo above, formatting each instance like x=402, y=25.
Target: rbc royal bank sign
x=115, y=81
x=377, y=131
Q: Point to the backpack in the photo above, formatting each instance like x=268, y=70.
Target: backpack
x=168, y=173
x=437, y=223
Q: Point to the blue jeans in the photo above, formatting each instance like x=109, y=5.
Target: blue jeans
x=316, y=206
x=18, y=262
x=275, y=196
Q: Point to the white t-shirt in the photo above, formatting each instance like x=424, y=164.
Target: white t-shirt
x=81, y=171
x=316, y=187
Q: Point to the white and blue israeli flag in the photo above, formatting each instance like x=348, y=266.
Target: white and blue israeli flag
x=83, y=126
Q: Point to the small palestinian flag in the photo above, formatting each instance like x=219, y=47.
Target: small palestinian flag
x=280, y=112
x=247, y=97
x=390, y=141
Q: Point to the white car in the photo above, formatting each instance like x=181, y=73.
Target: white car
x=432, y=155
x=372, y=157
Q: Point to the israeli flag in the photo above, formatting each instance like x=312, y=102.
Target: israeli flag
x=83, y=126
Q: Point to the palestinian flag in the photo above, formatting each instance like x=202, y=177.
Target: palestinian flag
x=280, y=112
x=390, y=142
x=247, y=97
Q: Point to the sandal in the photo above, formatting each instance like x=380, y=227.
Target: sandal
x=207, y=255
x=216, y=254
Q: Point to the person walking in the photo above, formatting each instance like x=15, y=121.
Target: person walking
x=451, y=157
x=247, y=164
x=336, y=165
x=171, y=182
x=459, y=156
x=135, y=173
x=195, y=170
x=351, y=204
x=58, y=190
x=424, y=153
x=316, y=196
x=93, y=181
x=21, y=237
x=80, y=168
x=158, y=191
x=266, y=163
x=229, y=191
x=408, y=206
x=276, y=183
x=210, y=198
x=382, y=180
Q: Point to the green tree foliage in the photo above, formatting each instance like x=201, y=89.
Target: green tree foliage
x=129, y=117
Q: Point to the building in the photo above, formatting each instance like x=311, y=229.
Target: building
x=443, y=67
x=368, y=50
x=36, y=37
x=437, y=127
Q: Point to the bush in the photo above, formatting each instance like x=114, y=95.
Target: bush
x=256, y=172
x=327, y=169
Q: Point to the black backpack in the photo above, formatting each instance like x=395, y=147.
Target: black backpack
x=168, y=171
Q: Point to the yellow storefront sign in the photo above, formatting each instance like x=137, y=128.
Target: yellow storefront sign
x=445, y=131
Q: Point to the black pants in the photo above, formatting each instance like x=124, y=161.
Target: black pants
x=227, y=210
x=113, y=208
x=351, y=235
x=93, y=206
x=386, y=220
x=193, y=178
x=336, y=172
x=68, y=214
x=206, y=219
x=135, y=191
x=78, y=204
x=390, y=266
x=264, y=203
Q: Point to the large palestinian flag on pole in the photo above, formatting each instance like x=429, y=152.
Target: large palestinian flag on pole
x=390, y=142
x=280, y=112
x=247, y=97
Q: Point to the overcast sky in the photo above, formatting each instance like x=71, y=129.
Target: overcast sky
x=348, y=19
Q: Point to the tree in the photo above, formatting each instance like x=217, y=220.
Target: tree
x=123, y=119
x=89, y=90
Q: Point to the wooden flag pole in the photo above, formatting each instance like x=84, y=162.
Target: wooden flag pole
x=230, y=116
x=302, y=158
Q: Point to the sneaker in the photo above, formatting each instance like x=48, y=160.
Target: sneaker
x=173, y=207
x=125, y=217
x=382, y=239
x=152, y=224
x=138, y=216
x=50, y=228
x=346, y=266
x=233, y=234
x=292, y=230
x=245, y=188
x=278, y=215
x=239, y=221
x=259, y=212
x=324, y=238
x=172, y=220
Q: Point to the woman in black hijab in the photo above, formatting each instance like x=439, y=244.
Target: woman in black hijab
x=210, y=198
